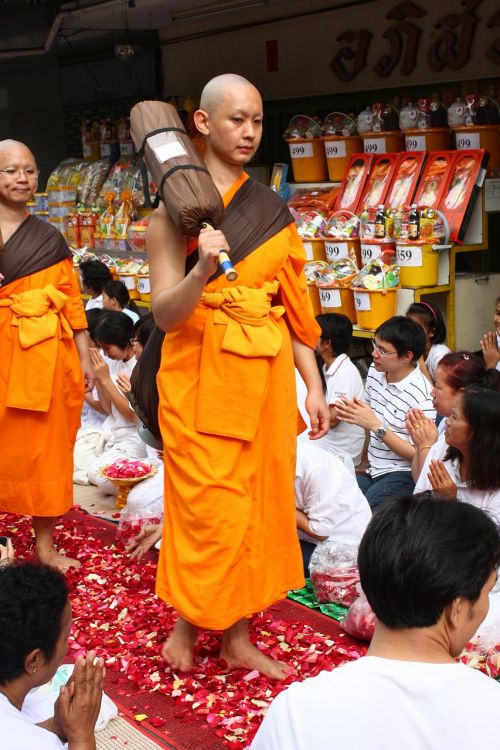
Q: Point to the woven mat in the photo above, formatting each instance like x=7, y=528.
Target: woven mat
x=119, y=733
x=306, y=597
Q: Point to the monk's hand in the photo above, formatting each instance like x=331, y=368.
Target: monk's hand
x=6, y=553
x=491, y=353
x=319, y=414
x=99, y=366
x=422, y=430
x=210, y=243
x=441, y=482
x=357, y=412
x=145, y=539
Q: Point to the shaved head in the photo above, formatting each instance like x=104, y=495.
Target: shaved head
x=10, y=147
x=216, y=90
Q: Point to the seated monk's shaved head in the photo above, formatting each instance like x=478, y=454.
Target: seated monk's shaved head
x=215, y=90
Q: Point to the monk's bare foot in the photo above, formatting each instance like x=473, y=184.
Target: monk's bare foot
x=50, y=556
x=239, y=653
x=178, y=649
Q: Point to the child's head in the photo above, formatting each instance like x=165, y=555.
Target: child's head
x=496, y=316
x=397, y=342
x=94, y=275
x=431, y=320
x=336, y=333
x=422, y=559
x=113, y=334
x=115, y=295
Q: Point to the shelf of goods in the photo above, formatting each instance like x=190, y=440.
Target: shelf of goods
x=443, y=293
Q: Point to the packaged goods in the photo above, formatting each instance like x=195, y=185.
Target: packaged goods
x=406, y=175
x=460, y=194
x=322, y=199
x=136, y=235
x=338, y=273
x=379, y=180
x=334, y=572
x=360, y=620
x=376, y=275
x=123, y=216
x=310, y=224
x=104, y=226
x=342, y=225
x=92, y=179
x=354, y=181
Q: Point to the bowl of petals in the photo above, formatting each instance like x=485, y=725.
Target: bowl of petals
x=124, y=474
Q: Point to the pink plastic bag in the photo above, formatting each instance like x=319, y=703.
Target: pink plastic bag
x=360, y=621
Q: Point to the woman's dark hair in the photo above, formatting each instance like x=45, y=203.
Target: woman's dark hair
x=143, y=328
x=419, y=553
x=117, y=290
x=433, y=319
x=32, y=601
x=404, y=334
x=114, y=328
x=481, y=408
x=464, y=368
x=337, y=329
x=95, y=274
x=93, y=315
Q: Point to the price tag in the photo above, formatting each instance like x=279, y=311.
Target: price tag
x=369, y=252
x=87, y=151
x=126, y=148
x=362, y=301
x=467, y=140
x=330, y=298
x=105, y=149
x=129, y=281
x=301, y=150
x=374, y=146
x=143, y=285
x=335, y=149
x=409, y=256
x=309, y=250
x=415, y=143
x=336, y=250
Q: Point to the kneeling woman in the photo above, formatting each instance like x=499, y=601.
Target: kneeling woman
x=113, y=334
x=35, y=622
x=464, y=466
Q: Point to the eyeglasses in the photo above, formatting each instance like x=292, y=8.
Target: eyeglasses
x=382, y=352
x=29, y=172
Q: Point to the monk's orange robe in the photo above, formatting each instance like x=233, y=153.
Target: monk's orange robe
x=41, y=390
x=228, y=416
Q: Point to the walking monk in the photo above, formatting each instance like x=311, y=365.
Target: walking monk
x=228, y=407
x=44, y=350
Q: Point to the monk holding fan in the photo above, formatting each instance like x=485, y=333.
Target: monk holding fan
x=44, y=350
x=228, y=413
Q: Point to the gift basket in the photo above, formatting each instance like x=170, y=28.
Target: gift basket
x=375, y=290
x=341, y=139
x=334, y=282
x=307, y=152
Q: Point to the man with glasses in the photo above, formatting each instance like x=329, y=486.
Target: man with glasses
x=394, y=385
x=44, y=351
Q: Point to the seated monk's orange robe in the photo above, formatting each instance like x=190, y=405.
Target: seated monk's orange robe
x=229, y=421
x=41, y=390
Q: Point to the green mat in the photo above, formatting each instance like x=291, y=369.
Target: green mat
x=306, y=597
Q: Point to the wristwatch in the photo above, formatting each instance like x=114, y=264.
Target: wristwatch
x=380, y=432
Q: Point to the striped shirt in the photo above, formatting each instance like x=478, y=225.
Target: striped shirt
x=391, y=403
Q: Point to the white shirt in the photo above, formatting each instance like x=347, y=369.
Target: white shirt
x=115, y=425
x=391, y=403
x=94, y=302
x=498, y=344
x=436, y=354
x=19, y=733
x=327, y=492
x=343, y=380
x=384, y=704
x=133, y=315
x=484, y=499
